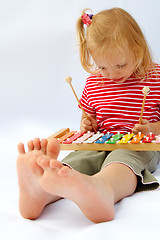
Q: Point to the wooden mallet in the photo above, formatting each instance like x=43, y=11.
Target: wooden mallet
x=69, y=80
x=145, y=91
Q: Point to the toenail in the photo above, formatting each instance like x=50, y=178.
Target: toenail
x=67, y=165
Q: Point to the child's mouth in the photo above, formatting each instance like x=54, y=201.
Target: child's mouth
x=118, y=79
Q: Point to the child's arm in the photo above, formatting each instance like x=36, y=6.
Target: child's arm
x=146, y=127
x=86, y=125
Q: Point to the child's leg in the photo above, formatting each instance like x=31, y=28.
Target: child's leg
x=95, y=195
x=32, y=198
x=121, y=178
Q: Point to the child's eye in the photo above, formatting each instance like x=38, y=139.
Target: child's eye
x=102, y=68
x=121, y=66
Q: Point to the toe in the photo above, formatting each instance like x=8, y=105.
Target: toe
x=64, y=171
x=44, y=145
x=37, y=144
x=53, y=148
x=30, y=145
x=43, y=162
x=55, y=164
x=21, y=148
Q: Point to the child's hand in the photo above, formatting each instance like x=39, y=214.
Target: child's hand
x=86, y=124
x=144, y=127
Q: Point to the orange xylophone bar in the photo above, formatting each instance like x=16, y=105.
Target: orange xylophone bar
x=140, y=142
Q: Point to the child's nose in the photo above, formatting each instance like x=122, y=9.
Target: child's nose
x=113, y=74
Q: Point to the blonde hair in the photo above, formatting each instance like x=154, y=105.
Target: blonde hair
x=110, y=31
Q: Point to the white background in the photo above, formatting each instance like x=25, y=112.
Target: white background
x=38, y=49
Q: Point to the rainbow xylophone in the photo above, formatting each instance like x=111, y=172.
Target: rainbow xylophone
x=77, y=140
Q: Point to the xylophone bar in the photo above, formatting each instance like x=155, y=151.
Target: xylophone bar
x=132, y=145
x=59, y=133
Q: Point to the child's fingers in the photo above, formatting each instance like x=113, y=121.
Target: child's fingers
x=92, y=118
x=93, y=121
x=87, y=122
x=144, y=121
x=86, y=125
x=135, y=130
x=85, y=128
x=143, y=128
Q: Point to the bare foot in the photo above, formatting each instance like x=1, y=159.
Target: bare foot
x=94, y=199
x=32, y=198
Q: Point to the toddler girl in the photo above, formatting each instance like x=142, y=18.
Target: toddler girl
x=115, y=53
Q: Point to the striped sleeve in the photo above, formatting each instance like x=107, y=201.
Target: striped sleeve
x=88, y=108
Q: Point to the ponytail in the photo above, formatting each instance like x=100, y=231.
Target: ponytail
x=84, y=53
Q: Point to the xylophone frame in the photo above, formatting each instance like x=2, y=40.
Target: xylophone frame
x=104, y=147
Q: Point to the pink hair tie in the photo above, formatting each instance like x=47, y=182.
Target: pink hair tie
x=86, y=18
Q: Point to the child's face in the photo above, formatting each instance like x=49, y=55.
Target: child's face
x=117, y=67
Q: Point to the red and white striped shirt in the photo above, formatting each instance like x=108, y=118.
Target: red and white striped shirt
x=118, y=106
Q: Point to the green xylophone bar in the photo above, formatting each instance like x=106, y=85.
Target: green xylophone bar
x=115, y=138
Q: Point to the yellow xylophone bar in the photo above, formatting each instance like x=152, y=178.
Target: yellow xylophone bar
x=141, y=146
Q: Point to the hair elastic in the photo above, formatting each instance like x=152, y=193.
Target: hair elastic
x=86, y=18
